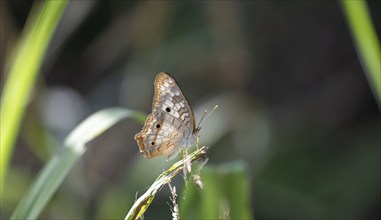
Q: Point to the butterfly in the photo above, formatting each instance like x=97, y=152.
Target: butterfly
x=171, y=125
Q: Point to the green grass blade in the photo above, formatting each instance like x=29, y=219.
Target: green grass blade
x=145, y=200
x=237, y=190
x=59, y=166
x=368, y=46
x=22, y=74
x=226, y=194
x=211, y=196
x=190, y=196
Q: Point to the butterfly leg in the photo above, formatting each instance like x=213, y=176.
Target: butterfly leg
x=187, y=166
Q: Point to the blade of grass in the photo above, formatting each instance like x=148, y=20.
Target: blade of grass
x=59, y=166
x=365, y=37
x=144, y=201
x=237, y=190
x=226, y=194
x=22, y=74
x=211, y=197
x=191, y=196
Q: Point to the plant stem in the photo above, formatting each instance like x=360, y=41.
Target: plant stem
x=142, y=204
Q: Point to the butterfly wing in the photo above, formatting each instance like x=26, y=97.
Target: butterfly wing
x=171, y=124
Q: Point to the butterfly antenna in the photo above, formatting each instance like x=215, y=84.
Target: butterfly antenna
x=202, y=118
x=205, y=116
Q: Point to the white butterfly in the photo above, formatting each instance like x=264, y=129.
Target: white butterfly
x=171, y=125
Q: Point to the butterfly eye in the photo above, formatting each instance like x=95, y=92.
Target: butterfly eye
x=152, y=143
x=168, y=109
x=157, y=126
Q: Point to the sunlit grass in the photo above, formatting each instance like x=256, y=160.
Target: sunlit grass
x=24, y=68
x=57, y=168
x=144, y=201
x=225, y=195
x=368, y=46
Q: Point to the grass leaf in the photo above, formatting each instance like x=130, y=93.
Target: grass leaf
x=57, y=168
x=22, y=74
x=226, y=194
x=368, y=46
x=144, y=201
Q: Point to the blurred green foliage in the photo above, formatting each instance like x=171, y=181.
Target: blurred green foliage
x=368, y=44
x=24, y=67
x=225, y=194
x=57, y=168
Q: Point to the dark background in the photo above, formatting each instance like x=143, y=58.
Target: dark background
x=295, y=104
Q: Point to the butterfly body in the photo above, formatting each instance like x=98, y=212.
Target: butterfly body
x=171, y=124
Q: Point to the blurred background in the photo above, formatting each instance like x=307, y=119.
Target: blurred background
x=294, y=103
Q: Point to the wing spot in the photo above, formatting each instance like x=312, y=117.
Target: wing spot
x=152, y=143
x=158, y=126
x=168, y=109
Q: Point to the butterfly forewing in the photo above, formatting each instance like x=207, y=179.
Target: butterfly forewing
x=171, y=124
x=170, y=99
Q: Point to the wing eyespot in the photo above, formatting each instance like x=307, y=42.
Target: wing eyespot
x=152, y=143
x=158, y=126
x=168, y=109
